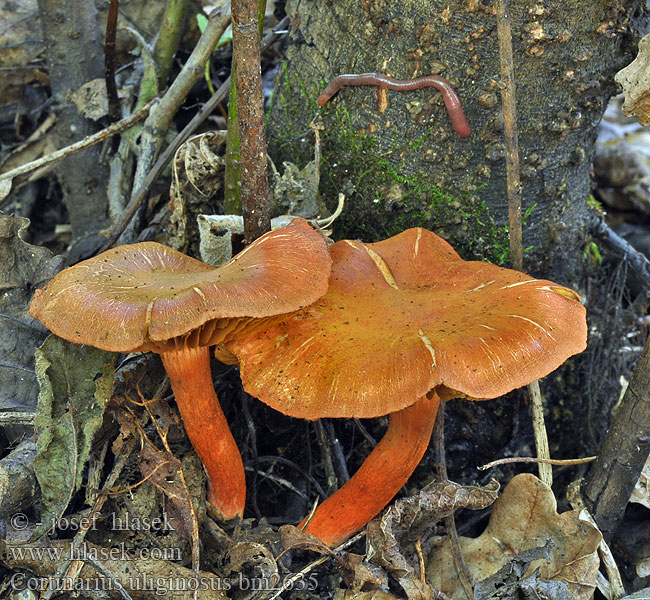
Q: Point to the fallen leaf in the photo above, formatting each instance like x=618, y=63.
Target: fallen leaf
x=524, y=517
x=163, y=470
x=641, y=492
x=635, y=80
x=390, y=538
x=295, y=539
x=76, y=383
x=24, y=267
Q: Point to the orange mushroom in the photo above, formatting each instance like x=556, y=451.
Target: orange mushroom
x=404, y=321
x=149, y=297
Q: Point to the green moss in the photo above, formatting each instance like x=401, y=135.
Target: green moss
x=384, y=195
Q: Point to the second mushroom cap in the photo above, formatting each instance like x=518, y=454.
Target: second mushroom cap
x=402, y=317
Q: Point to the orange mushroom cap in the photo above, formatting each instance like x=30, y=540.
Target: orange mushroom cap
x=150, y=297
x=402, y=317
x=147, y=296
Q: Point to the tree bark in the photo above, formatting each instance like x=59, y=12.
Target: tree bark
x=395, y=154
x=72, y=36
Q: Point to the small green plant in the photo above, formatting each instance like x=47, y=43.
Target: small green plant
x=202, y=23
x=592, y=254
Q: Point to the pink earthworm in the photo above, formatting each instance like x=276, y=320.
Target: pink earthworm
x=449, y=95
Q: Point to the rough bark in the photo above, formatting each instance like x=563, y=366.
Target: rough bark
x=390, y=158
x=72, y=36
x=611, y=479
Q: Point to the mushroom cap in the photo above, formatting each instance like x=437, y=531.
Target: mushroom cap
x=147, y=296
x=402, y=317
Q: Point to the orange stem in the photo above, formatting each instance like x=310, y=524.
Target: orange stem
x=380, y=477
x=207, y=428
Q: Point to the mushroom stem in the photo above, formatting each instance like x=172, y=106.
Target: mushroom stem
x=380, y=477
x=206, y=426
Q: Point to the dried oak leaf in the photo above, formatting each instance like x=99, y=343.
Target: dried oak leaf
x=295, y=539
x=359, y=575
x=163, y=470
x=24, y=268
x=196, y=177
x=510, y=582
x=390, y=537
x=524, y=517
x=635, y=79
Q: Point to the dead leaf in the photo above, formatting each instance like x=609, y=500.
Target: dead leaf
x=294, y=539
x=372, y=595
x=510, y=582
x=76, y=383
x=524, y=517
x=24, y=267
x=252, y=568
x=390, y=538
x=641, y=492
x=635, y=79
x=196, y=175
x=295, y=192
x=359, y=575
x=162, y=470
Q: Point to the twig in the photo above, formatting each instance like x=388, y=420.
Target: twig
x=252, y=433
x=279, y=480
x=140, y=195
x=157, y=124
x=462, y=571
x=338, y=451
x=114, y=110
x=289, y=582
x=169, y=38
x=289, y=463
x=534, y=459
x=17, y=418
x=509, y=110
x=612, y=477
x=326, y=456
x=250, y=110
x=539, y=430
x=78, y=146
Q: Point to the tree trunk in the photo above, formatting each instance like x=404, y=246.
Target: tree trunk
x=395, y=154
x=73, y=42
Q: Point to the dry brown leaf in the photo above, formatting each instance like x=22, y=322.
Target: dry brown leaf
x=390, y=538
x=359, y=575
x=524, y=517
x=196, y=175
x=372, y=595
x=163, y=471
x=635, y=79
x=252, y=568
x=295, y=539
x=641, y=492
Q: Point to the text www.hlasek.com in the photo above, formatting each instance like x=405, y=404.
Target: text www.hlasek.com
x=92, y=553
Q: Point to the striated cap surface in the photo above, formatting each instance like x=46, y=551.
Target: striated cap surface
x=402, y=317
x=149, y=296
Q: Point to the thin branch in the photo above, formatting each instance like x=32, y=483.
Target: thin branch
x=561, y=462
x=114, y=110
x=78, y=146
x=139, y=197
x=250, y=110
x=612, y=477
x=509, y=110
x=462, y=571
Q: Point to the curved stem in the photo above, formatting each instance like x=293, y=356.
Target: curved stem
x=380, y=477
x=207, y=428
